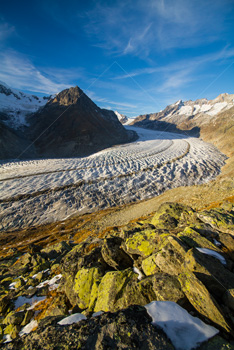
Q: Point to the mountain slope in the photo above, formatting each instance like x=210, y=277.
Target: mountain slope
x=189, y=117
x=16, y=105
x=73, y=125
x=69, y=125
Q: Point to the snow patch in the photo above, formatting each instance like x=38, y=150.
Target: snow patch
x=51, y=283
x=212, y=253
x=72, y=319
x=28, y=328
x=217, y=107
x=20, y=301
x=140, y=275
x=8, y=338
x=185, y=331
x=187, y=110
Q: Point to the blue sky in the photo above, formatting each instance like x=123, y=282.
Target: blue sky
x=132, y=56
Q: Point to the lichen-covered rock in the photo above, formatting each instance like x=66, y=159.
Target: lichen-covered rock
x=120, y=289
x=28, y=315
x=216, y=343
x=86, y=286
x=12, y=330
x=111, y=287
x=142, y=243
x=79, y=258
x=56, y=250
x=58, y=306
x=114, y=255
x=216, y=277
x=219, y=219
x=149, y=266
x=6, y=305
x=193, y=239
x=227, y=240
x=14, y=318
x=228, y=298
x=171, y=255
x=168, y=215
x=167, y=288
x=126, y=329
x=202, y=300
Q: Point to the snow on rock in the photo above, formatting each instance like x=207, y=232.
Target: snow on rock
x=51, y=283
x=12, y=285
x=187, y=110
x=7, y=338
x=212, y=253
x=205, y=108
x=28, y=328
x=72, y=319
x=17, y=105
x=216, y=108
x=98, y=313
x=21, y=300
x=140, y=275
x=185, y=331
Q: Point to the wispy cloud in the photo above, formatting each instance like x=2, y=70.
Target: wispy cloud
x=19, y=72
x=6, y=30
x=139, y=28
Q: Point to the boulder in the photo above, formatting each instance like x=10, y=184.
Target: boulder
x=114, y=255
x=193, y=239
x=170, y=256
x=12, y=330
x=218, y=219
x=130, y=328
x=14, y=318
x=216, y=277
x=169, y=215
x=149, y=266
x=120, y=289
x=56, y=250
x=167, y=288
x=216, y=343
x=202, y=300
x=142, y=243
x=86, y=286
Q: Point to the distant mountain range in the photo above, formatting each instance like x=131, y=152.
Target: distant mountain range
x=67, y=125
x=186, y=117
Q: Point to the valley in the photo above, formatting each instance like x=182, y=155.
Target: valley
x=44, y=191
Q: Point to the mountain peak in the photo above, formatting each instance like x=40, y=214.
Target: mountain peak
x=69, y=96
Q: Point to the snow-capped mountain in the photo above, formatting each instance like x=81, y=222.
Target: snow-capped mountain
x=123, y=118
x=187, y=115
x=16, y=105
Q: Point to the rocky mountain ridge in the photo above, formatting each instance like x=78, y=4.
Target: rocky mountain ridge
x=68, y=125
x=16, y=105
x=188, y=117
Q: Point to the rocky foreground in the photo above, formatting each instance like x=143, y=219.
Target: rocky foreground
x=103, y=283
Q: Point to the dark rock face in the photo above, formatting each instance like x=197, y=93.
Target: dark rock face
x=126, y=329
x=72, y=125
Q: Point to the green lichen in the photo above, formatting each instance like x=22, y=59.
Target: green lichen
x=149, y=266
x=143, y=243
x=194, y=239
x=86, y=286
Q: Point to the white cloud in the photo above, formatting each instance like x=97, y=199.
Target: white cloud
x=19, y=72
